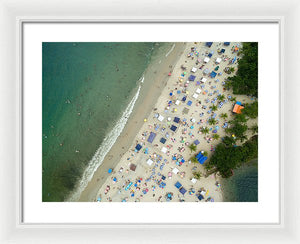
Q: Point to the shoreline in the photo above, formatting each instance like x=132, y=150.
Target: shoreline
x=149, y=94
x=166, y=157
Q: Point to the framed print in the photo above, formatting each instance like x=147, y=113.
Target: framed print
x=137, y=126
x=156, y=164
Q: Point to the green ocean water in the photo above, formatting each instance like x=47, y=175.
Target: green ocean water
x=86, y=86
x=243, y=185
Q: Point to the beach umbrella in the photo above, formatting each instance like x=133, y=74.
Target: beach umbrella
x=109, y=171
x=145, y=120
x=169, y=74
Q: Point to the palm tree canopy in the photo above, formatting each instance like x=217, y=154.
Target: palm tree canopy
x=224, y=115
x=193, y=147
x=205, y=130
x=194, y=160
x=212, y=121
x=221, y=97
x=214, y=107
x=216, y=136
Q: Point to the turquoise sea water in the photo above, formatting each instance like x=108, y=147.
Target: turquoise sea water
x=243, y=185
x=86, y=86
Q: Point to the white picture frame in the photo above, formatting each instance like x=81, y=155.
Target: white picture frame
x=286, y=13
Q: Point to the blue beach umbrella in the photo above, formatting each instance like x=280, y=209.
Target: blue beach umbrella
x=109, y=171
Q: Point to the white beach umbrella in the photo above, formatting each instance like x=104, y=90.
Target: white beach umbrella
x=195, y=96
x=175, y=171
x=194, y=69
x=149, y=162
x=206, y=59
x=193, y=180
x=160, y=118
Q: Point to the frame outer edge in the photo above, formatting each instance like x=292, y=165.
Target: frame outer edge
x=21, y=20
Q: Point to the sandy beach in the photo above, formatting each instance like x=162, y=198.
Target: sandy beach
x=175, y=108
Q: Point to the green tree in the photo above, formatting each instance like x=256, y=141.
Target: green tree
x=205, y=130
x=231, y=70
x=224, y=116
x=194, y=159
x=228, y=141
x=227, y=158
x=213, y=107
x=233, y=99
x=221, y=97
x=245, y=81
x=197, y=175
x=216, y=136
x=251, y=110
x=240, y=118
x=212, y=121
x=193, y=147
x=238, y=129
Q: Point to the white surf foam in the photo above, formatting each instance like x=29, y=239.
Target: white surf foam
x=172, y=48
x=142, y=79
x=104, y=148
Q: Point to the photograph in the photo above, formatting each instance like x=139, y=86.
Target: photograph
x=150, y=121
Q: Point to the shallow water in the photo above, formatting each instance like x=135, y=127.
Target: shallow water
x=243, y=185
x=86, y=87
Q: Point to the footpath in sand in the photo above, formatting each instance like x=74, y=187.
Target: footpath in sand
x=150, y=173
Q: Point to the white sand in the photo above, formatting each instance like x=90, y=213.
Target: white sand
x=117, y=190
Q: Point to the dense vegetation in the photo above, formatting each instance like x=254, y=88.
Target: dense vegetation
x=246, y=79
x=251, y=110
x=228, y=157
